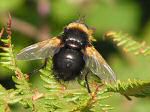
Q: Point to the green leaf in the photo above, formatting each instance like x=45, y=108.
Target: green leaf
x=135, y=88
x=128, y=44
x=7, y=57
x=8, y=97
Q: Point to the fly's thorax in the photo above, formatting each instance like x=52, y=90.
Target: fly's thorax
x=75, y=38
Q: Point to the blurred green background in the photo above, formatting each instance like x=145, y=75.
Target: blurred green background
x=37, y=20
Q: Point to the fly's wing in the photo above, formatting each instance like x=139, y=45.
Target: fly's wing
x=40, y=50
x=98, y=66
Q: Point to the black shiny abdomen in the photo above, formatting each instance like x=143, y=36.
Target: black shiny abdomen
x=68, y=63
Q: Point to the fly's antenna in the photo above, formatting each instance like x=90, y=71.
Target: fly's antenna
x=81, y=19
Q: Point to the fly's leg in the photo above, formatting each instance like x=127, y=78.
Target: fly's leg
x=87, y=83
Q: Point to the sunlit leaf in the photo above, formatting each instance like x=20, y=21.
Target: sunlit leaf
x=135, y=88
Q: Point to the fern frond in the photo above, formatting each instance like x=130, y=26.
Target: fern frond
x=7, y=58
x=23, y=93
x=7, y=97
x=6, y=55
x=127, y=43
x=59, y=96
x=135, y=88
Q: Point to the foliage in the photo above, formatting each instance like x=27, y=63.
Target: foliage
x=57, y=96
x=135, y=88
x=128, y=44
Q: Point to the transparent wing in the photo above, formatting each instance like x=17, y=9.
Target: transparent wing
x=39, y=50
x=98, y=66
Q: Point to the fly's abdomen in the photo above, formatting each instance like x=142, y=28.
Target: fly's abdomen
x=68, y=63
